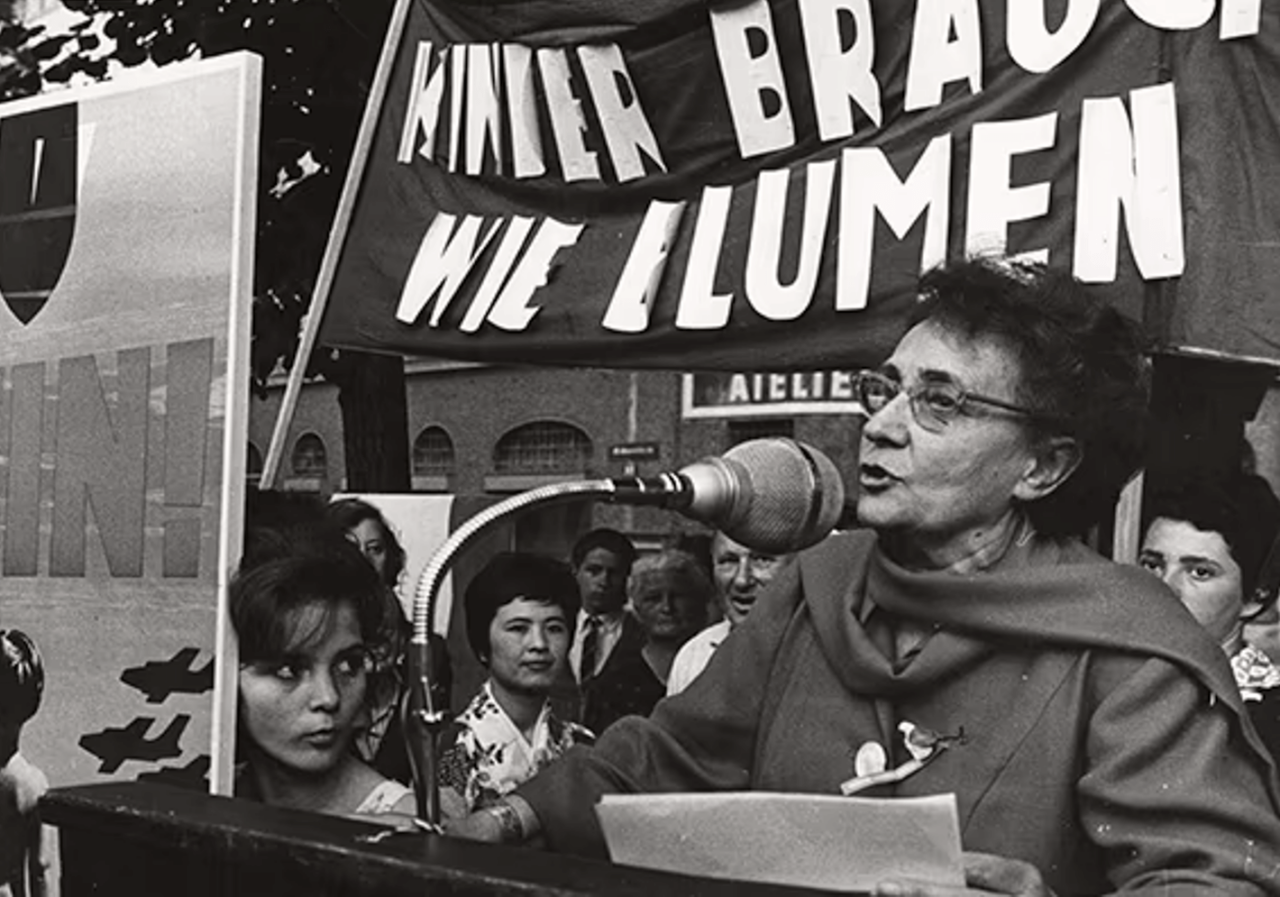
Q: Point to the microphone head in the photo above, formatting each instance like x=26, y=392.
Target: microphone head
x=774, y=495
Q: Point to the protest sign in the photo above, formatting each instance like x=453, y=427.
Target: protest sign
x=126, y=235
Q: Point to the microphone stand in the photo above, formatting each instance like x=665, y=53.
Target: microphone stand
x=423, y=720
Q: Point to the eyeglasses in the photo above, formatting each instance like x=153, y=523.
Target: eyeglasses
x=935, y=404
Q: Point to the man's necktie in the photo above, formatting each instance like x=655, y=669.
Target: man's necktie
x=590, y=647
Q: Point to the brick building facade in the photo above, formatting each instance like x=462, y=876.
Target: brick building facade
x=498, y=431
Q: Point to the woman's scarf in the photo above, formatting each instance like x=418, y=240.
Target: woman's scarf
x=1041, y=592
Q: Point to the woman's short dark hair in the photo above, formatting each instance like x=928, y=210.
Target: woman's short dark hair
x=264, y=600
x=1241, y=508
x=1082, y=364
x=610, y=540
x=21, y=679
x=348, y=513
x=511, y=575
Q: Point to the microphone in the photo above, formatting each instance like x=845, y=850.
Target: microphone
x=774, y=495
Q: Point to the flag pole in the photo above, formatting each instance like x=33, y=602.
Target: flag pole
x=337, y=237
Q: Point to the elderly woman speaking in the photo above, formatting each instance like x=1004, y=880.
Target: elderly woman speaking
x=1091, y=732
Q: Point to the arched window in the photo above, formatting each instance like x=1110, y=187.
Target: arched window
x=433, y=453
x=542, y=447
x=309, y=457
x=433, y=460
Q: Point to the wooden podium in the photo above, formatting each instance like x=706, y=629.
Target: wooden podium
x=141, y=839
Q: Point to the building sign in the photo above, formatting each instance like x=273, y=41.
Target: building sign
x=759, y=394
x=634, y=451
x=126, y=233
x=638, y=185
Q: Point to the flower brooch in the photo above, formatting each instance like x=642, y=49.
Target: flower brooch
x=870, y=761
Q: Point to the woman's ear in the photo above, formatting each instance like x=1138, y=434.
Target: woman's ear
x=1053, y=462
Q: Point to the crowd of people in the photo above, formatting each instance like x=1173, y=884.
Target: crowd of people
x=322, y=636
x=1104, y=727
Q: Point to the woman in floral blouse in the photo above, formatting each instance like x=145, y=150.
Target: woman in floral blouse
x=520, y=610
x=1207, y=541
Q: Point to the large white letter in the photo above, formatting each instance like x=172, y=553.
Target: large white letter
x=626, y=130
x=993, y=202
x=753, y=79
x=522, y=112
x=512, y=311
x=767, y=295
x=484, y=122
x=936, y=60
x=567, y=121
x=1240, y=18
x=504, y=258
x=701, y=308
x=423, y=108
x=1033, y=46
x=444, y=258
x=632, y=301
x=867, y=183
x=1138, y=170
x=839, y=75
x=1173, y=15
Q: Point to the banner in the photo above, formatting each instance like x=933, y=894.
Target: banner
x=126, y=229
x=757, y=184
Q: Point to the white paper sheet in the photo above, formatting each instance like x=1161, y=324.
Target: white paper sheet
x=837, y=843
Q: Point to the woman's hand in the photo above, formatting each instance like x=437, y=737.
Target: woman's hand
x=478, y=826
x=984, y=873
x=509, y=821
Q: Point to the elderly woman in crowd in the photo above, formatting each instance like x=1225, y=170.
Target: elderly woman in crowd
x=670, y=595
x=1090, y=730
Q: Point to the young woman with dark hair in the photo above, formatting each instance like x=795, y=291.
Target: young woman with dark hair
x=519, y=613
x=309, y=630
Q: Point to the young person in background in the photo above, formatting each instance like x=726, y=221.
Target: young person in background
x=519, y=610
x=308, y=629
x=381, y=739
x=23, y=857
x=601, y=562
x=1207, y=541
x=369, y=531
